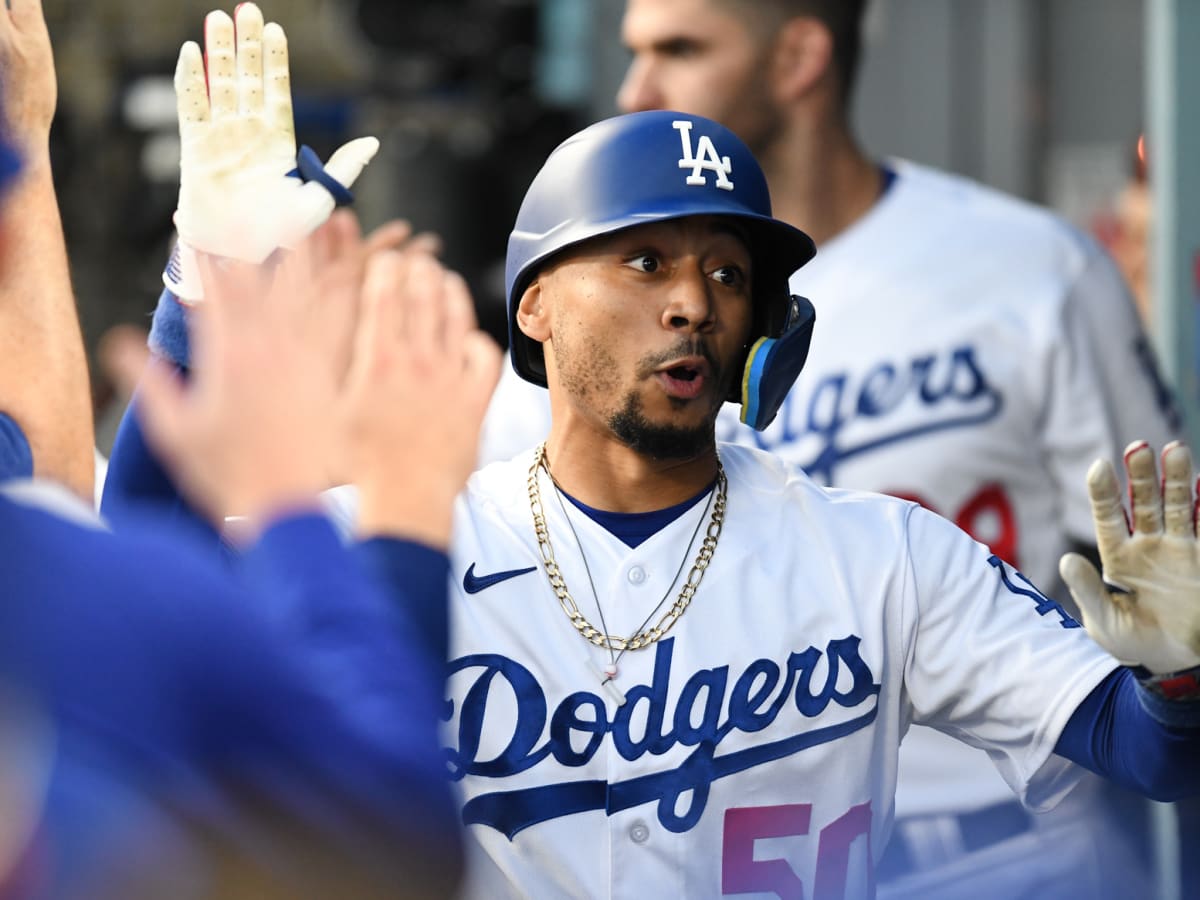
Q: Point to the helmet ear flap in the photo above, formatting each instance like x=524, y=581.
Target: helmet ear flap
x=773, y=365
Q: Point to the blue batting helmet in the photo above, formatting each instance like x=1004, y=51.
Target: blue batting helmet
x=650, y=167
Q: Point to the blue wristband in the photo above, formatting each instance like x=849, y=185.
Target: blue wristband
x=169, y=331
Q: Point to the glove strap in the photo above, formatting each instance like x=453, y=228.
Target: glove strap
x=1172, y=698
x=310, y=168
x=1182, y=685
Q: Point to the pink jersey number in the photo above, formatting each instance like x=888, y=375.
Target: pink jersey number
x=741, y=873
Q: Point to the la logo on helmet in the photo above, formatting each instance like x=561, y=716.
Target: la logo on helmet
x=706, y=159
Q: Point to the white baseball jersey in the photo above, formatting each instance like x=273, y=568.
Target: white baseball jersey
x=756, y=749
x=971, y=352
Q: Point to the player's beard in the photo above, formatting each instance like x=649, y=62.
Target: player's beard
x=659, y=442
x=591, y=376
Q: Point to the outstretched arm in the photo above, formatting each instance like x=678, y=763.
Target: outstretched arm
x=1141, y=725
x=43, y=367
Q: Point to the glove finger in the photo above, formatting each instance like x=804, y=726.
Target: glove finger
x=219, y=58
x=311, y=203
x=1177, y=491
x=1088, y=590
x=1143, y=489
x=248, y=25
x=350, y=159
x=191, y=93
x=309, y=208
x=277, y=85
x=1108, y=516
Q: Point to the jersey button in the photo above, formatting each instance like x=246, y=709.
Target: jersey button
x=636, y=575
x=639, y=833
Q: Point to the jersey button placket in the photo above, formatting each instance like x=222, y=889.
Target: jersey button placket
x=636, y=575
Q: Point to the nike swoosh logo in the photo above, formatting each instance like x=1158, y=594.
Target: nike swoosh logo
x=473, y=583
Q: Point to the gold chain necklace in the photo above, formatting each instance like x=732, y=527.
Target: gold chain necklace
x=645, y=636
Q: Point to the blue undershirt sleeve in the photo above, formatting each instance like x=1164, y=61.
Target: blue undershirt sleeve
x=137, y=484
x=1114, y=734
x=417, y=576
x=136, y=479
x=16, y=456
x=354, y=607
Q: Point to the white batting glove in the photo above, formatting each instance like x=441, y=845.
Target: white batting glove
x=1146, y=610
x=238, y=145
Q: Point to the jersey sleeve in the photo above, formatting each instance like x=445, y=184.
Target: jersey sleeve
x=992, y=661
x=1104, y=387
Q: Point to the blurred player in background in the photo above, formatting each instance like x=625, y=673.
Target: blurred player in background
x=173, y=728
x=975, y=354
x=1125, y=231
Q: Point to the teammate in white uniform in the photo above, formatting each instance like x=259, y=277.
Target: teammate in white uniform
x=740, y=735
x=974, y=354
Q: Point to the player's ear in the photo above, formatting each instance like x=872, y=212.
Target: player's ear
x=533, y=314
x=803, y=57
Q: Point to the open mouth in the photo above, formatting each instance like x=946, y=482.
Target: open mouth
x=684, y=373
x=684, y=381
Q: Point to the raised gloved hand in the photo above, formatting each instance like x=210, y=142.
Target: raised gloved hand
x=1146, y=609
x=238, y=146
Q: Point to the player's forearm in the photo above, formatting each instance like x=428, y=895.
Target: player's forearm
x=1113, y=734
x=371, y=619
x=43, y=370
x=416, y=576
x=406, y=508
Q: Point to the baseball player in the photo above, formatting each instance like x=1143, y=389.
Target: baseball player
x=975, y=355
x=716, y=659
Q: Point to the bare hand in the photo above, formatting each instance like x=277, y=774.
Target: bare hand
x=418, y=386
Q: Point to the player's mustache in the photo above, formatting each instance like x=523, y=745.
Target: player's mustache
x=650, y=363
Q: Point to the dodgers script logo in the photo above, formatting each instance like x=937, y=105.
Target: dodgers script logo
x=712, y=705
x=706, y=158
x=926, y=394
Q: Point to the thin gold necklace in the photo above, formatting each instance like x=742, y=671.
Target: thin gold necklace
x=643, y=637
